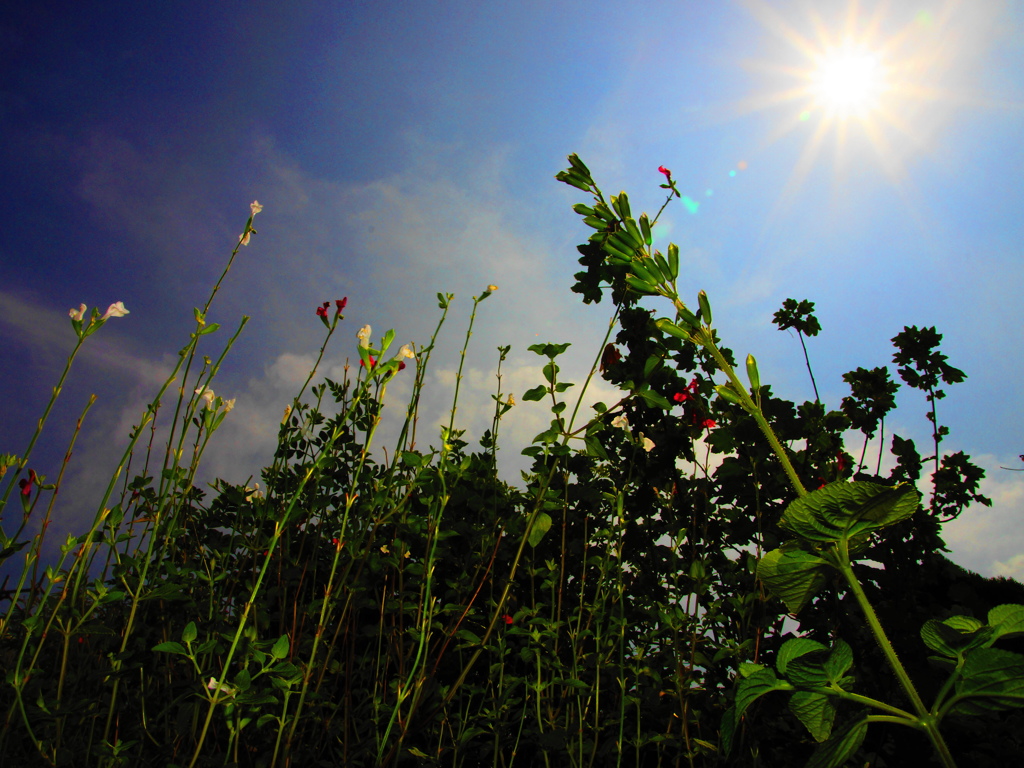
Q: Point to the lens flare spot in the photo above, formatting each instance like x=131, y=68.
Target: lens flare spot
x=690, y=204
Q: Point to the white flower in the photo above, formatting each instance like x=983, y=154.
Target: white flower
x=647, y=442
x=205, y=393
x=243, y=239
x=620, y=421
x=213, y=685
x=255, y=207
x=229, y=405
x=77, y=314
x=253, y=493
x=406, y=351
x=114, y=310
x=364, y=336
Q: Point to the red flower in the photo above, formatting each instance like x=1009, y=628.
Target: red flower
x=321, y=311
x=401, y=365
x=840, y=462
x=341, y=304
x=507, y=619
x=373, y=362
x=680, y=397
x=26, y=483
x=666, y=171
x=708, y=424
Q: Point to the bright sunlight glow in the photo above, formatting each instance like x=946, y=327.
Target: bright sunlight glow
x=848, y=82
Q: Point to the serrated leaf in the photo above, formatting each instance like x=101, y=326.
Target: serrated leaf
x=839, y=662
x=815, y=711
x=841, y=746
x=793, y=575
x=1007, y=620
x=808, y=671
x=844, y=510
x=991, y=679
x=794, y=649
x=540, y=526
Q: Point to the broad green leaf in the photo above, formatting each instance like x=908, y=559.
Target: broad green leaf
x=815, y=711
x=844, y=510
x=655, y=399
x=281, y=647
x=991, y=679
x=1007, y=620
x=838, y=749
x=749, y=688
x=964, y=624
x=540, y=526
x=793, y=575
x=839, y=661
x=955, y=635
x=537, y=393
x=188, y=634
x=808, y=671
x=794, y=649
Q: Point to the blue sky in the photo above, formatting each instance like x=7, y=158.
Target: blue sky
x=405, y=148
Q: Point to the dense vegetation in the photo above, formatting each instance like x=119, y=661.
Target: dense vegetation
x=699, y=573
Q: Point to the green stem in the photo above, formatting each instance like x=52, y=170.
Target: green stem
x=927, y=720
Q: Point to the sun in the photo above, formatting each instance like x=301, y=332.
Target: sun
x=848, y=82
x=857, y=84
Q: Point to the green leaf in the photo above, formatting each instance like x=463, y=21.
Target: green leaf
x=170, y=647
x=540, y=526
x=281, y=647
x=844, y=510
x=188, y=634
x=839, y=661
x=793, y=575
x=955, y=635
x=838, y=749
x=749, y=688
x=808, y=671
x=794, y=649
x=208, y=329
x=1007, y=620
x=537, y=393
x=655, y=399
x=815, y=711
x=991, y=680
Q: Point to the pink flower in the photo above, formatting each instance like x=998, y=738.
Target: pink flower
x=666, y=171
x=115, y=310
